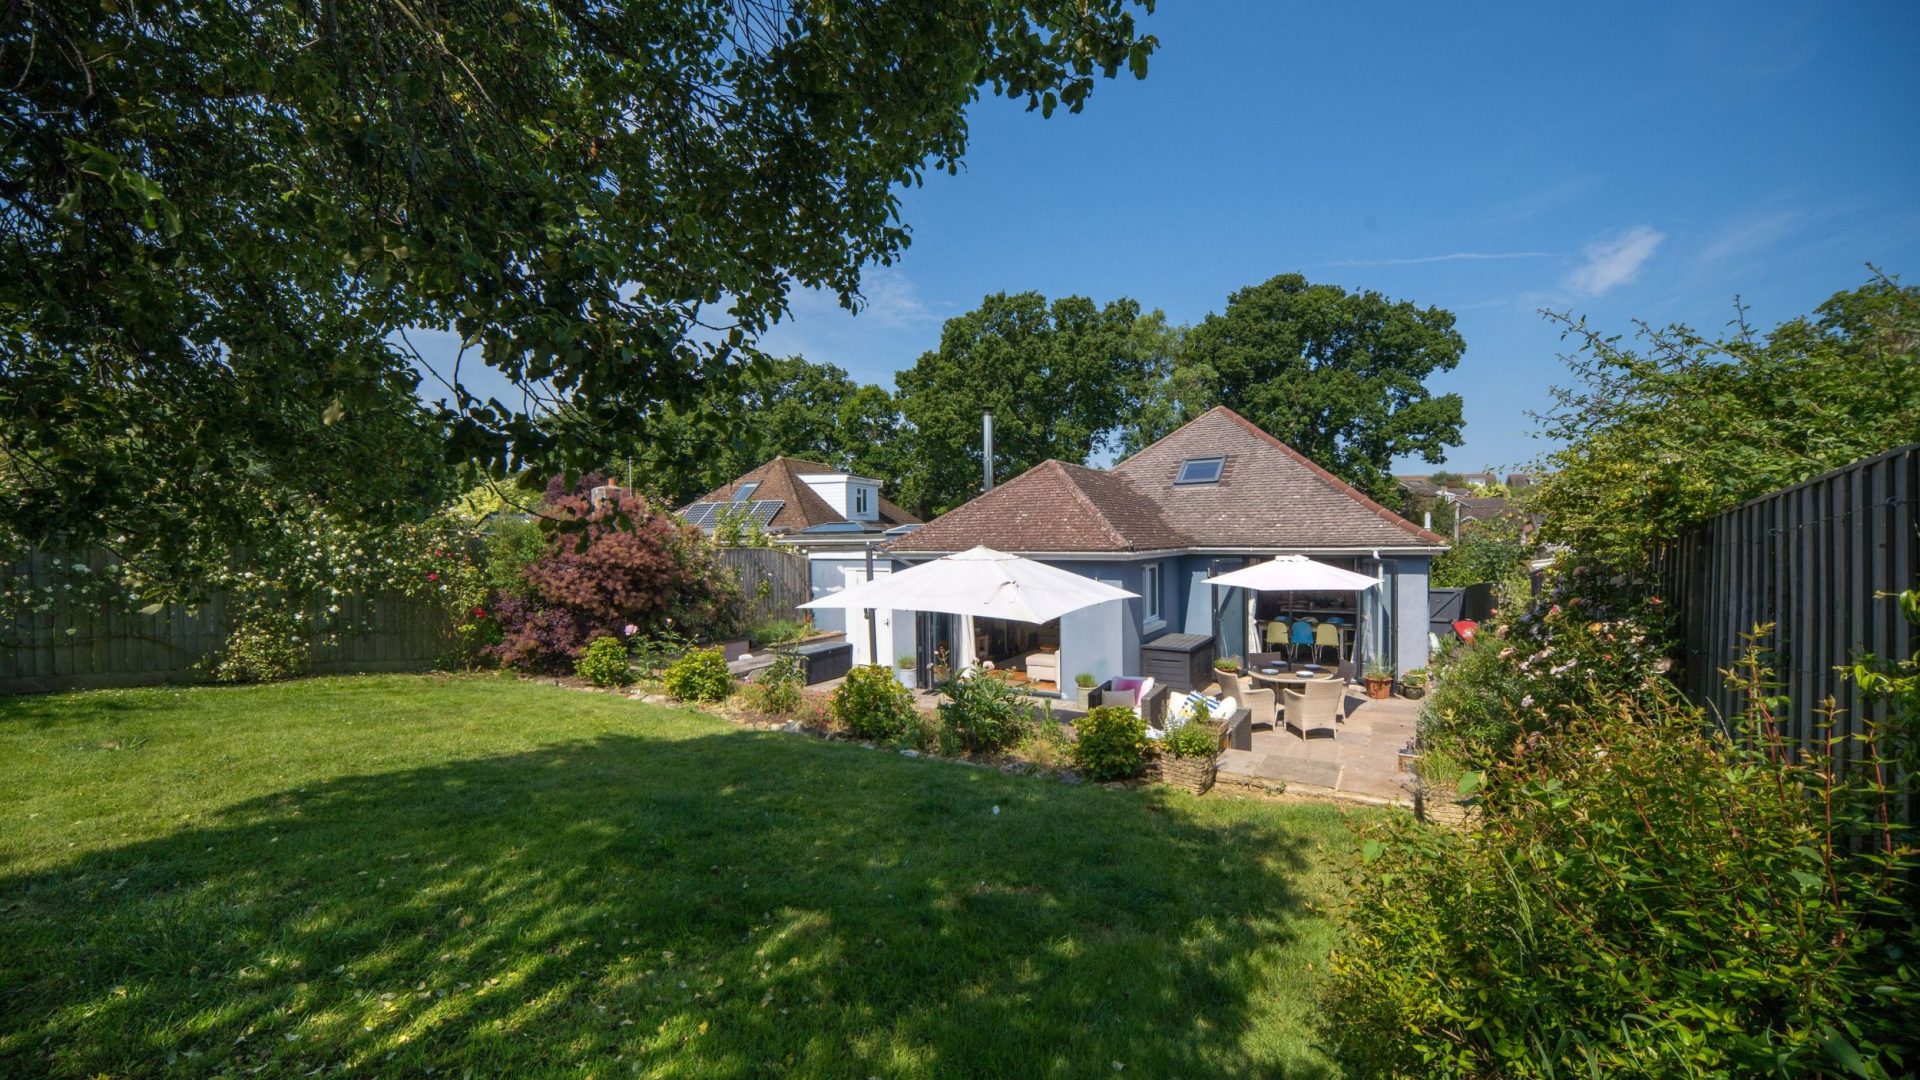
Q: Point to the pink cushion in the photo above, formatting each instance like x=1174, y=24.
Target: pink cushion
x=1127, y=682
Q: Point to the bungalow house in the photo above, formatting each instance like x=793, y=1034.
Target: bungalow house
x=834, y=518
x=1216, y=495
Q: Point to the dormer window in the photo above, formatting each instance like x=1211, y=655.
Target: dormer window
x=860, y=501
x=1200, y=470
x=745, y=491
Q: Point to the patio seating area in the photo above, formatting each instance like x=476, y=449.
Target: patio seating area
x=1360, y=762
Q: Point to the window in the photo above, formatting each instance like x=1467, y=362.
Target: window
x=744, y=492
x=860, y=501
x=1200, y=470
x=1150, y=591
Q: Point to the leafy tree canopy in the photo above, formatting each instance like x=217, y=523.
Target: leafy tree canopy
x=787, y=406
x=1063, y=379
x=216, y=216
x=1493, y=550
x=1661, y=438
x=1339, y=376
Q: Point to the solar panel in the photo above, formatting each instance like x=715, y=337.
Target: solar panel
x=700, y=514
x=762, y=510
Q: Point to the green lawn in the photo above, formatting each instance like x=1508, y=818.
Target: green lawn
x=397, y=875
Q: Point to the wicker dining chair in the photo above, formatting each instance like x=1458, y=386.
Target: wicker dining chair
x=1314, y=705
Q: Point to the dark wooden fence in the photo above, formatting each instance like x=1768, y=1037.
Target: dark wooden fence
x=776, y=581
x=76, y=645
x=1815, y=560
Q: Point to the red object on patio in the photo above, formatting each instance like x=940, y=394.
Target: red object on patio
x=1466, y=628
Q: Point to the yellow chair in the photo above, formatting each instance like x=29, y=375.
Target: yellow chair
x=1327, y=636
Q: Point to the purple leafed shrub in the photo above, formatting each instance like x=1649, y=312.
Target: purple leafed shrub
x=641, y=576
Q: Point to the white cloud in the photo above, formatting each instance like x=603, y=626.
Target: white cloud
x=888, y=298
x=1616, y=260
x=1455, y=256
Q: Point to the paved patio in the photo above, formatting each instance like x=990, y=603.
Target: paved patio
x=1360, y=762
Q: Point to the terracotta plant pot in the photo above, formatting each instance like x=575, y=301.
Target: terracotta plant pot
x=1379, y=689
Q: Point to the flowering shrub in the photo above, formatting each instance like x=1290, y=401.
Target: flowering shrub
x=604, y=662
x=1587, y=638
x=621, y=569
x=264, y=644
x=1644, y=897
x=294, y=592
x=872, y=704
x=1110, y=743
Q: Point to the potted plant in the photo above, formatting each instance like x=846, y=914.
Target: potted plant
x=1226, y=665
x=1190, y=756
x=1083, y=687
x=1379, y=680
x=1413, y=685
x=906, y=666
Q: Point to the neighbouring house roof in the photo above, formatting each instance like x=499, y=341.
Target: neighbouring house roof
x=1268, y=495
x=1480, y=507
x=800, y=506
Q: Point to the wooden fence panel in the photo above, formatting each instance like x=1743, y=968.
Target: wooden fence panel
x=776, y=581
x=1816, y=560
x=79, y=646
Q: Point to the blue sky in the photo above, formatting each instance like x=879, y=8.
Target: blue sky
x=1622, y=161
x=1627, y=161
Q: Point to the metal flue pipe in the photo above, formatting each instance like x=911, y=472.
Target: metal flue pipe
x=986, y=451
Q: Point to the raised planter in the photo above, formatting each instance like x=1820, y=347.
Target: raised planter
x=1195, y=775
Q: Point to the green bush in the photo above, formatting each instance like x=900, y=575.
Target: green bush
x=512, y=544
x=1110, y=743
x=1473, y=711
x=872, y=704
x=604, y=662
x=699, y=676
x=777, y=632
x=985, y=714
x=1193, y=739
x=777, y=689
x=266, y=644
x=1644, y=897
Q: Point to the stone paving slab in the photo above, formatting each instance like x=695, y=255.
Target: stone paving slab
x=1361, y=761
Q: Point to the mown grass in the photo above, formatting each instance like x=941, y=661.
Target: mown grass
x=397, y=875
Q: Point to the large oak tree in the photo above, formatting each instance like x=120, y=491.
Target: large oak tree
x=1339, y=376
x=1063, y=378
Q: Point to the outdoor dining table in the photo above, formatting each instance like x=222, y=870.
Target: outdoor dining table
x=1291, y=678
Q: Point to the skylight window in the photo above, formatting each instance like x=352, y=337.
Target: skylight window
x=745, y=491
x=1201, y=470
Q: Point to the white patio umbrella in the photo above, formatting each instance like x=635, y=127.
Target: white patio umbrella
x=1294, y=573
x=981, y=582
x=978, y=583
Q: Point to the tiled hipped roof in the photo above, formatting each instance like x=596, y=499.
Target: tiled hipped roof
x=1052, y=507
x=1268, y=496
x=803, y=507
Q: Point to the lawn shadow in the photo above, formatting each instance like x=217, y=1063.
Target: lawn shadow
x=737, y=904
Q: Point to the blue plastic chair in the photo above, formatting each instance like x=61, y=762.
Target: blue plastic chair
x=1302, y=638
